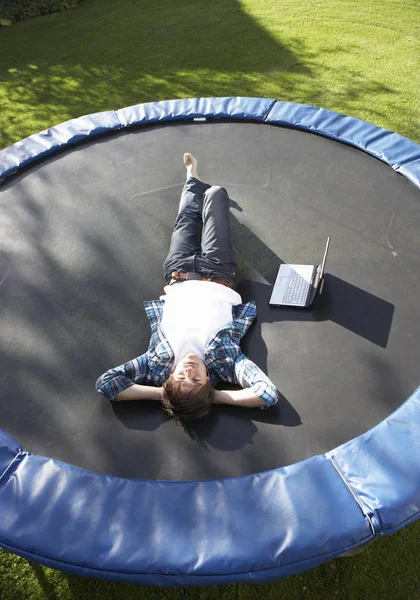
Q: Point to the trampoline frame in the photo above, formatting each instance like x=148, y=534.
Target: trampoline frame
x=256, y=528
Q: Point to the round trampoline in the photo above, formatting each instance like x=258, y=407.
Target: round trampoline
x=87, y=211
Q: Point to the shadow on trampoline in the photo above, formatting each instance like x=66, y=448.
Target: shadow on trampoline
x=341, y=302
x=235, y=426
x=79, y=264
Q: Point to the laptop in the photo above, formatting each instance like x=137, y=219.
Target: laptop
x=297, y=285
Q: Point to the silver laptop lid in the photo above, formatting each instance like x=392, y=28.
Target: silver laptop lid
x=318, y=277
x=321, y=269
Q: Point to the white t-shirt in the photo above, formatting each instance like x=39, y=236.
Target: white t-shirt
x=193, y=313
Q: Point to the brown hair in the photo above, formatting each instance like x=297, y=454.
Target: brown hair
x=187, y=405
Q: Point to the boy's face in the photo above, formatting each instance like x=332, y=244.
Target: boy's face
x=191, y=371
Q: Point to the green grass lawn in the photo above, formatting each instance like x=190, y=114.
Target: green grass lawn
x=356, y=57
x=360, y=58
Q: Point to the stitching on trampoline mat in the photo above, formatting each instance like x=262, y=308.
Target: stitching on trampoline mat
x=11, y=463
x=367, y=515
x=265, y=117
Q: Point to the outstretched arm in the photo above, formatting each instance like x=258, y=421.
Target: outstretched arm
x=141, y=392
x=245, y=397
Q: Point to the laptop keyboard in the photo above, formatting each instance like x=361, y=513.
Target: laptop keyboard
x=296, y=290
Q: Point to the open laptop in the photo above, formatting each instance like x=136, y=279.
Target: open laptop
x=297, y=285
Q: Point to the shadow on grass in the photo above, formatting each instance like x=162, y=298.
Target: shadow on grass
x=60, y=70
x=138, y=55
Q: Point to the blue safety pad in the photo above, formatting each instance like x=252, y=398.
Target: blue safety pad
x=46, y=142
x=254, y=528
x=9, y=449
x=51, y=140
x=400, y=153
x=382, y=467
x=254, y=109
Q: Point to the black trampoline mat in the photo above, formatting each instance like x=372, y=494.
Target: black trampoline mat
x=82, y=240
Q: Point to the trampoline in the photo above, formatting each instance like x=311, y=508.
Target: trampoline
x=116, y=490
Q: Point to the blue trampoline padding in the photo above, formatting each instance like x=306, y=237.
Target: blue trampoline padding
x=382, y=467
x=402, y=154
x=51, y=140
x=254, y=109
x=9, y=450
x=256, y=528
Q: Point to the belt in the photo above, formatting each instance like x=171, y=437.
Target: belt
x=191, y=276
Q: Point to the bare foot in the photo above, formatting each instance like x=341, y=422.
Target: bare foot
x=191, y=163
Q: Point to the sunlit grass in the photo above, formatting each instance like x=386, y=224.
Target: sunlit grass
x=357, y=58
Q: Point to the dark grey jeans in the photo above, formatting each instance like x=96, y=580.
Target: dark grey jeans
x=202, y=238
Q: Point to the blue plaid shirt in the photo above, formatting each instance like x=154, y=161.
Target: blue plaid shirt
x=223, y=358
